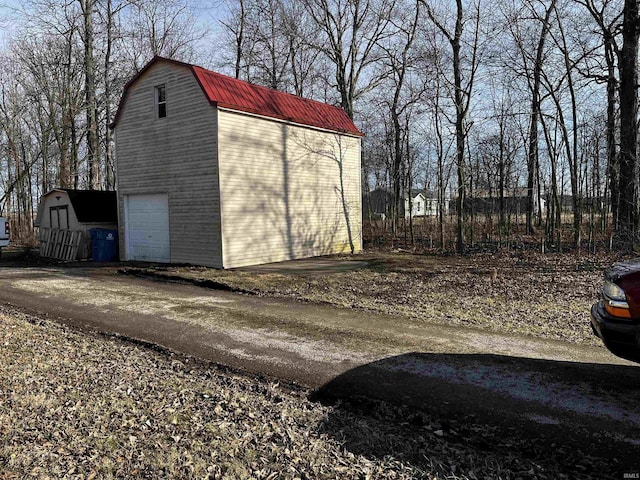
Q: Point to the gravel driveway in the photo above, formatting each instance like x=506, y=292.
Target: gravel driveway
x=549, y=391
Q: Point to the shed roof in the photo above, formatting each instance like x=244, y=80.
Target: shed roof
x=235, y=94
x=92, y=206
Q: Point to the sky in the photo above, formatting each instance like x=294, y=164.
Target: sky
x=7, y=7
x=208, y=12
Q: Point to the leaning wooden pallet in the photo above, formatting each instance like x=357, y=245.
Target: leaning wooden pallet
x=60, y=244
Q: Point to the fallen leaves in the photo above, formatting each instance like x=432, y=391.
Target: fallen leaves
x=79, y=406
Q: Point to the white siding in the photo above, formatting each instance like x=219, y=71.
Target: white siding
x=56, y=199
x=281, y=193
x=176, y=156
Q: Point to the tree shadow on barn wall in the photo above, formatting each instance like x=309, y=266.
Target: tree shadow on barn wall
x=489, y=414
x=288, y=204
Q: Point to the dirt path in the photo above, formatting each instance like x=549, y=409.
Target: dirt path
x=551, y=392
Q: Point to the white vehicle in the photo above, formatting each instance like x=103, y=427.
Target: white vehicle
x=4, y=232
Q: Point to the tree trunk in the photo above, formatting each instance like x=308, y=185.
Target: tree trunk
x=93, y=154
x=613, y=166
x=460, y=132
x=396, y=174
x=532, y=155
x=628, y=217
x=571, y=147
x=108, y=155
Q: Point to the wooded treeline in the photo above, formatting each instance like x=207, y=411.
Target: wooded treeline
x=464, y=99
x=62, y=72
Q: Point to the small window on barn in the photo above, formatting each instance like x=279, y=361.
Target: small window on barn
x=161, y=101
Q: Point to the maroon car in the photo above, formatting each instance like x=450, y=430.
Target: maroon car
x=616, y=317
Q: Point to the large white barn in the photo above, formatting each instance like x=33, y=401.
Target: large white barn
x=216, y=171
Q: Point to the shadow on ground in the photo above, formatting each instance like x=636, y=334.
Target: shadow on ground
x=627, y=352
x=524, y=417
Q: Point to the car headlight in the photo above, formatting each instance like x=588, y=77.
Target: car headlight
x=613, y=291
x=615, y=300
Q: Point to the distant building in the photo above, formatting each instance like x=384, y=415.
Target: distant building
x=597, y=204
x=424, y=203
x=377, y=203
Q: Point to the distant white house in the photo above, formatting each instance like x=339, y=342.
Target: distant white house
x=424, y=204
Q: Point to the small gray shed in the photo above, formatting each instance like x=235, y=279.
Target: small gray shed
x=66, y=216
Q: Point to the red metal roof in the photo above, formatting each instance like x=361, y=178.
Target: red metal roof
x=234, y=94
x=228, y=92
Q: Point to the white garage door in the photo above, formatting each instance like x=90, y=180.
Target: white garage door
x=147, y=227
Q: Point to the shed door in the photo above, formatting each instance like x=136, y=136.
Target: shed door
x=147, y=227
x=59, y=217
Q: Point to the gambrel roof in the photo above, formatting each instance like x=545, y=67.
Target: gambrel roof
x=233, y=94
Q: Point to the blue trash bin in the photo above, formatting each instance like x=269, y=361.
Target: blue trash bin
x=104, y=244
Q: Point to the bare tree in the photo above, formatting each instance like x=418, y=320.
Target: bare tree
x=298, y=28
x=93, y=152
x=499, y=149
x=571, y=144
x=350, y=31
x=398, y=59
x=532, y=156
x=18, y=157
x=236, y=26
x=442, y=147
x=166, y=28
x=53, y=79
x=271, y=59
x=462, y=95
x=113, y=78
x=608, y=18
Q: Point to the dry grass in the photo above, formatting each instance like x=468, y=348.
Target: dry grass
x=532, y=294
x=80, y=406
x=76, y=405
